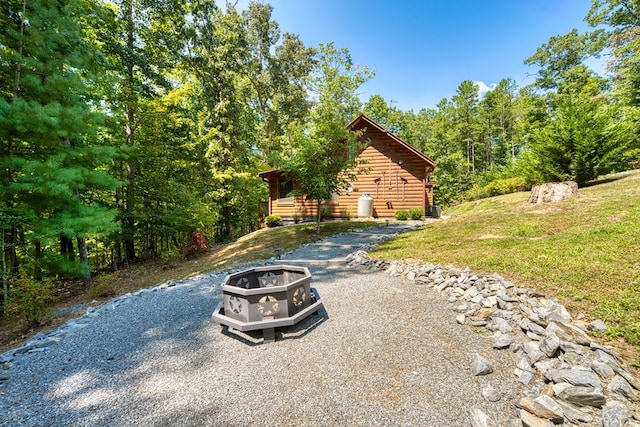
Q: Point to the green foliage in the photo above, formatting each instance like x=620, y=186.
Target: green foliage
x=325, y=211
x=30, y=299
x=575, y=145
x=402, y=215
x=273, y=221
x=52, y=161
x=105, y=286
x=169, y=257
x=322, y=147
x=496, y=187
x=415, y=213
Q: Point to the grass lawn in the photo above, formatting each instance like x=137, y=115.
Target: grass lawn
x=585, y=252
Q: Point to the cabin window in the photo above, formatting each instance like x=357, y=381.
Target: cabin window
x=284, y=188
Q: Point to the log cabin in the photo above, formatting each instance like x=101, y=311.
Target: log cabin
x=394, y=173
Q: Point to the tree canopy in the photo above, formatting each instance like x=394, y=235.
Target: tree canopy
x=130, y=129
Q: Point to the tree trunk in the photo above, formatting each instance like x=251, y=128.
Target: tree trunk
x=37, y=269
x=318, y=217
x=84, y=256
x=116, y=256
x=5, y=279
x=553, y=192
x=129, y=202
x=66, y=247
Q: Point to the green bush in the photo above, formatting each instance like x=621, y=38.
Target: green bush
x=273, y=221
x=496, y=187
x=415, y=213
x=29, y=299
x=104, y=286
x=325, y=212
x=402, y=215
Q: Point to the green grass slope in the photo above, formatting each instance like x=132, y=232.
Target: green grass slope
x=585, y=251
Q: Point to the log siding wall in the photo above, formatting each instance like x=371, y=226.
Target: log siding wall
x=393, y=175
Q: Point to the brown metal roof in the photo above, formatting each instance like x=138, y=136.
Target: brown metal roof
x=362, y=122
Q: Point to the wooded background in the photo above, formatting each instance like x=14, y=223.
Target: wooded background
x=135, y=129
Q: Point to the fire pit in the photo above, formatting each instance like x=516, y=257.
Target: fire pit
x=267, y=298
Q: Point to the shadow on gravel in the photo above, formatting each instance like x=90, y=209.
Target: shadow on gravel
x=130, y=349
x=155, y=355
x=303, y=328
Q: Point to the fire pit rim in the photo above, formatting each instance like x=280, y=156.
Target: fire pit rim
x=259, y=291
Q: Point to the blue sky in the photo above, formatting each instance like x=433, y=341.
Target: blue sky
x=423, y=49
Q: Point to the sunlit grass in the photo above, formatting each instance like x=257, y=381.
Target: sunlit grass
x=585, y=251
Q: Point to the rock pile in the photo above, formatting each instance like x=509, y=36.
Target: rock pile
x=569, y=378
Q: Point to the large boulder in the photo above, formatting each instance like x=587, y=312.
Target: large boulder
x=551, y=192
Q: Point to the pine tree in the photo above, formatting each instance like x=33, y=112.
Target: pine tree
x=48, y=131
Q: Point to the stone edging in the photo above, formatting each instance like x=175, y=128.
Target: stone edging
x=570, y=378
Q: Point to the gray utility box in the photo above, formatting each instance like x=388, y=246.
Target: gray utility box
x=266, y=298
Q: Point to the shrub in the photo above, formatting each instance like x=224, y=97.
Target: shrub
x=197, y=243
x=325, y=212
x=415, y=213
x=496, y=187
x=169, y=257
x=104, y=286
x=273, y=221
x=402, y=215
x=29, y=299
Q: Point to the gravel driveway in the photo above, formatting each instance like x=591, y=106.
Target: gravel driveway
x=382, y=352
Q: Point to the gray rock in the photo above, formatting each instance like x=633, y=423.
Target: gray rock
x=549, y=345
x=578, y=376
x=545, y=366
x=69, y=310
x=460, y=319
x=461, y=308
x=502, y=325
x=5, y=374
x=536, y=329
x=569, y=347
x=557, y=388
x=6, y=358
x=630, y=378
x=583, y=396
x=524, y=363
x=543, y=406
x=481, y=366
x=479, y=418
x=614, y=414
x=501, y=340
x=490, y=393
x=608, y=358
x=602, y=369
x=620, y=386
x=532, y=348
x=530, y=420
x=533, y=336
x=597, y=326
x=574, y=414
x=524, y=377
x=568, y=332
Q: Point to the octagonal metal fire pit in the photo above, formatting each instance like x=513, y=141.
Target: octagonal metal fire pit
x=267, y=298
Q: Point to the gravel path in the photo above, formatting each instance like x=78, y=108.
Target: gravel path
x=382, y=352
